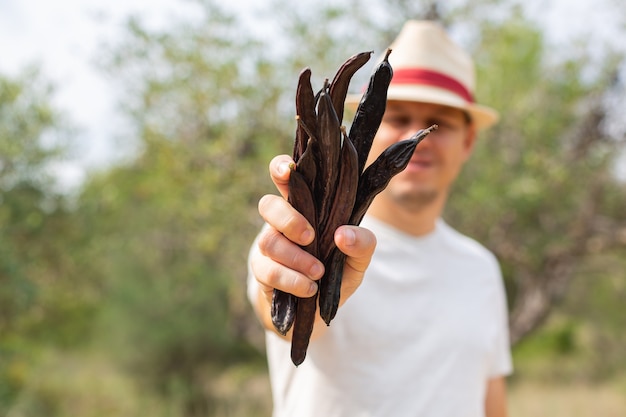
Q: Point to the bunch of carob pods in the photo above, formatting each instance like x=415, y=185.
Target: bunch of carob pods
x=330, y=185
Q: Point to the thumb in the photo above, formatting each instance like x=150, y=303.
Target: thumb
x=358, y=244
x=279, y=172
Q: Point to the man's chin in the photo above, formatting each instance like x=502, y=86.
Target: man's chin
x=416, y=200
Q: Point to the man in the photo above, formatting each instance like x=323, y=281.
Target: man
x=422, y=328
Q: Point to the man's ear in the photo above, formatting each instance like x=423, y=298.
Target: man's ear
x=470, y=140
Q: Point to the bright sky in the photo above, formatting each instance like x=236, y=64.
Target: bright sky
x=63, y=37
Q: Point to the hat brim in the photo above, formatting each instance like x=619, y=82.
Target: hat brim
x=482, y=116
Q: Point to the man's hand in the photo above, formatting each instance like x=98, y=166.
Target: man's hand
x=281, y=263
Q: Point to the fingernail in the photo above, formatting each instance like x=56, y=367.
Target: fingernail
x=283, y=168
x=316, y=271
x=307, y=236
x=313, y=288
x=349, y=236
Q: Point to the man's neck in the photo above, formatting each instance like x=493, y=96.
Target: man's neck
x=411, y=221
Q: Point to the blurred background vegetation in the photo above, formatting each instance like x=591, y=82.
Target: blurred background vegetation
x=127, y=297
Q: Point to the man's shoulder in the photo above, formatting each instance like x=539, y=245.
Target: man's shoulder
x=463, y=244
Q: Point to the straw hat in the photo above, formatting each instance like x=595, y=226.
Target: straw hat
x=429, y=67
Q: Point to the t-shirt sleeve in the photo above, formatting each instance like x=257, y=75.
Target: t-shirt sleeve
x=502, y=362
x=252, y=284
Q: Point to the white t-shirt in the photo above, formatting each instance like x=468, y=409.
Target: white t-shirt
x=420, y=337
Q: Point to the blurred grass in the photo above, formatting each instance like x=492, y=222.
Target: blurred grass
x=530, y=398
x=526, y=398
x=92, y=386
x=559, y=372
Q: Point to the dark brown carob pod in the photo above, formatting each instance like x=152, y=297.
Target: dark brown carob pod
x=329, y=141
x=330, y=285
x=340, y=83
x=369, y=112
x=283, y=310
x=377, y=175
x=343, y=199
x=340, y=213
x=305, y=113
x=284, y=305
x=301, y=198
x=303, y=328
x=307, y=167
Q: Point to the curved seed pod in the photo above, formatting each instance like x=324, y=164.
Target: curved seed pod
x=370, y=110
x=344, y=198
x=376, y=176
x=330, y=285
x=341, y=210
x=301, y=198
x=340, y=83
x=283, y=310
x=284, y=305
x=307, y=167
x=303, y=328
x=329, y=140
x=305, y=113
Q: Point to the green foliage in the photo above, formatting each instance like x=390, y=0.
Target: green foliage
x=39, y=305
x=173, y=225
x=595, y=301
x=542, y=178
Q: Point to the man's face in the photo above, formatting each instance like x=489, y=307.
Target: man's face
x=437, y=159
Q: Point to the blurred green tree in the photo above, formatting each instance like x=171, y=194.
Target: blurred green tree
x=543, y=179
x=171, y=228
x=35, y=224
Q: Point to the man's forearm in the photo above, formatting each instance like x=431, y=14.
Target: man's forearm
x=495, y=400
